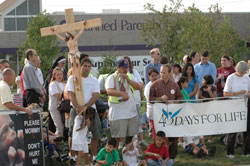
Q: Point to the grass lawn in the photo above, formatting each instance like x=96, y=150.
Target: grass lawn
x=184, y=159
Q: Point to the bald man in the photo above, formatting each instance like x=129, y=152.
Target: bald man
x=6, y=100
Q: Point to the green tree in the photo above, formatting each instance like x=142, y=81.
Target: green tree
x=164, y=29
x=47, y=47
x=178, y=33
x=212, y=31
x=109, y=63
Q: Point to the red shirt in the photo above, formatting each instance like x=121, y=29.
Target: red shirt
x=226, y=72
x=22, y=87
x=163, y=151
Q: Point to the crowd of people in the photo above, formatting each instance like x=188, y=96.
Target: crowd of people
x=114, y=101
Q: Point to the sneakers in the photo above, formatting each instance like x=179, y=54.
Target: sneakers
x=212, y=151
x=231, y=156
x=201, y=153
x=104, y=138
x=94, y=163
x=246, y=155
x=181, y=144
x=72, y=162
x=143, y=143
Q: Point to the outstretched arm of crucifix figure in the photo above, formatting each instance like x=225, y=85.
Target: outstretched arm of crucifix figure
x=80, y=32
x=57, y=35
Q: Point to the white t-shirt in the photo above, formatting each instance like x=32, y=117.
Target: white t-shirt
x=149, y=106
x=137, y=78
x=191, y=140
x=39, y=75
x=124, y=109
x=19, y=90
x=79, y=139
x=235, y=83
x=54, y=88
x=0, y=75
x=89, y=84
x=101, y=83
x=131, y=156
x=176, y=78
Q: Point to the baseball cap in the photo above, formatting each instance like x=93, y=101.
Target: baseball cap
x=122, y=63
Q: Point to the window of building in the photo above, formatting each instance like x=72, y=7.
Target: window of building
x=22, y=9
x=12, y=13
x=22, y=14
x=34, y=7
x=22, y=24
x=9, y=24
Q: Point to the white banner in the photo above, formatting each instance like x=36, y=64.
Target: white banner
x=195, y=119
x=139, y=63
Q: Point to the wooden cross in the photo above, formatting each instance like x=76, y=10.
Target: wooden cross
x=70, y=25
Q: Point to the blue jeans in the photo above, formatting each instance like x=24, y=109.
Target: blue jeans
x=156, y=163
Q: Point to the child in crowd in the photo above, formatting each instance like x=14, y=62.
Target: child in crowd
x=79, y=140
x=130, y=153
x=153, y=76
x=196, y=146
x=56, y=87
x=108, y=155
x=145, y=122
x=176, y=68
x=207, y=90
x=183, y=83
x=157, y=152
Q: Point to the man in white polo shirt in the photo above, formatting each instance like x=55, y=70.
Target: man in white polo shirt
x=6, y=100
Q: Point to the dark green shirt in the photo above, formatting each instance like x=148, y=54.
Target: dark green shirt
x=111, y=157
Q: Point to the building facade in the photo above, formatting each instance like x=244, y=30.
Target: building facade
x=119, y=33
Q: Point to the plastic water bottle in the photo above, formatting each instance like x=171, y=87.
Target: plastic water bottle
x=119, y=99
x=160, y=160
x=136, y=139
x=222, y=82
x=89, y=137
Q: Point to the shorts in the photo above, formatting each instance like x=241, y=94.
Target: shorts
x=124, y=127
x=189, y=149
x=81, y=147
x=95, y=125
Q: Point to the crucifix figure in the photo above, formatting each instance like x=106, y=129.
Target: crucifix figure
x=71, y=40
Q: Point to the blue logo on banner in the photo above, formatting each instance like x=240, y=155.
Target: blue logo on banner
x=170, y=115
